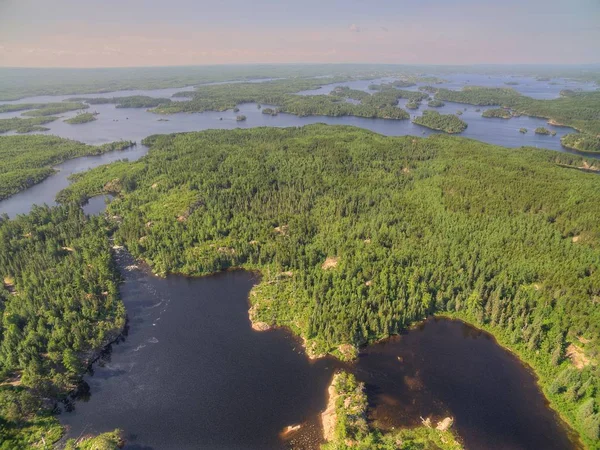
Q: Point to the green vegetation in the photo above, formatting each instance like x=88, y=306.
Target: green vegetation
x=221, y=97
x=544, y=130
x=82, y=118
x=27, y=160
x=105, y=441
x=42, y=109
x=501, y=113
x=581, y=142
x=17, y=83
x=511, y=83
x=240, y=118
x=51, y=109
x=443, y=122
x=25, y=125
x=403, y=83
x=435, y=103
x=579, y=110
x=59, y=303
x=134, y=101
x=506, y=239
x=348, y=411
x=270, y=111
x=523, y=130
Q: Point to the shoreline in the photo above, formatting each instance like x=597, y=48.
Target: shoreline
x=573, y=434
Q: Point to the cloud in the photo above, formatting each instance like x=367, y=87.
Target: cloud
x=354, y=28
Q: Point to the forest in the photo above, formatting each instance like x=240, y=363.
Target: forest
x=500, y=113
x=579, y=110
x=544, y=131
x=51, y=109
x=27, y=160
x=132, y=101
x=351, y=429
x=443, y=122
x=281, y=94
x=42, y=109
x=59, y=303
x=581, y=142
x=379, y=232
x=82, y=118
x=25, y=125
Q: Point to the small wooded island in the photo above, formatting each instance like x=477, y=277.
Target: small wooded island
x=82, y=118
x=435, y=103
x=501, y=113
x=545, y=131
x=448, y=123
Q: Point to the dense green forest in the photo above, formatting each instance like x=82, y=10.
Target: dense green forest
x=25, y=125
x=82, y=118
x=544, y=131
x=350, y=430
x=381, y=104
x=27, y=160
x=435, y=103
x=580, y=110
x=379, y=232
x=42, y=109
x=443, y=122
x=59, y=303
x=581, y=142
x=133, y=101
x=51, y=109
x=500, y=113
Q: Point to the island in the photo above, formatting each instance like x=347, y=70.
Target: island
x=522, y=130
x=132, y=101
x=345, y=423
x=501, y=113
x=240, y=118
x=270, y=111
x=545, y=131
x=448, y=123
x=578, y=110
x=82, y=118
x=435, y=103
x=25, y=125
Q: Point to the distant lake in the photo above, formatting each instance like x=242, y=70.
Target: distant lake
x=192, y=374
x=135, y=124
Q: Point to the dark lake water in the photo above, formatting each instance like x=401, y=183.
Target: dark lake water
x=97, y=204
x=192, y=374
x=448, y=368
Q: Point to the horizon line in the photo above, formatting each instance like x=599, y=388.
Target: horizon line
x=306, y=64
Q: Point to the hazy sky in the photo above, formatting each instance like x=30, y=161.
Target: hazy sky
x=91, y=33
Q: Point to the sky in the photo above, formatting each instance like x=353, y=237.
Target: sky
x=119, y=33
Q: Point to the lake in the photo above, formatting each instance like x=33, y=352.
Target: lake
x=192, y=374
x=134, y=124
